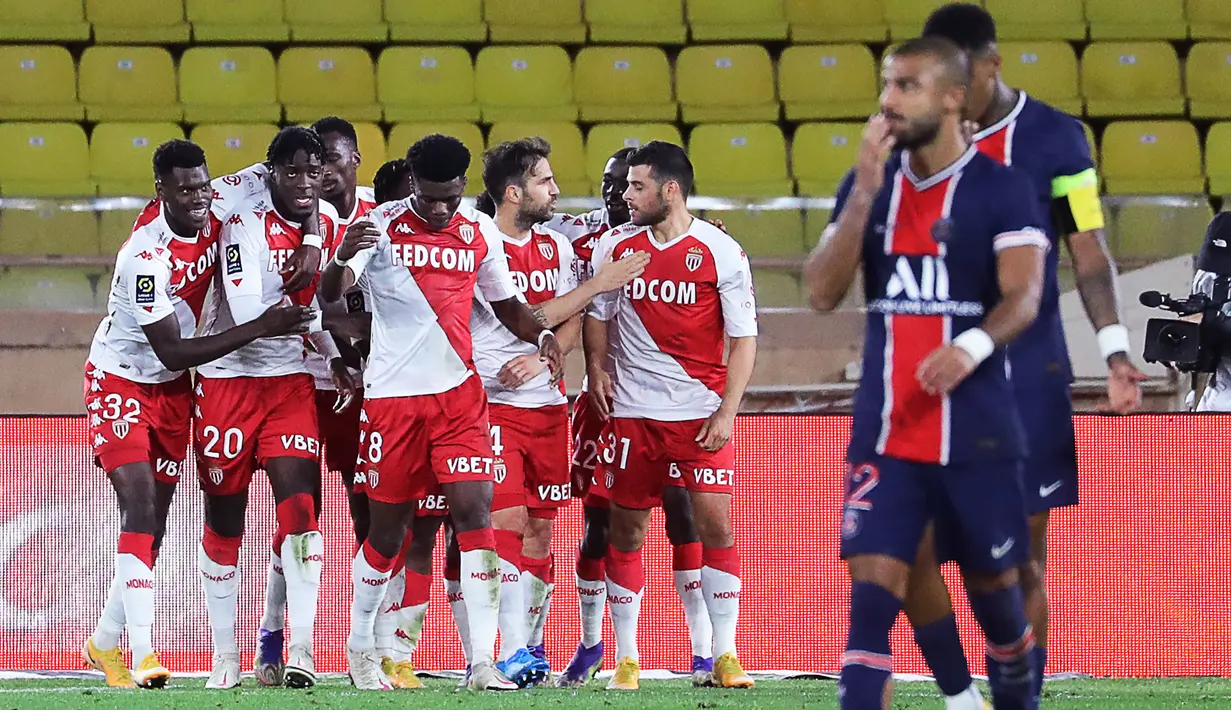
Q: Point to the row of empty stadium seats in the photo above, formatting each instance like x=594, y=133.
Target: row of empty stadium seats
x=540, y=82
x=575, y=21
x=739, y=160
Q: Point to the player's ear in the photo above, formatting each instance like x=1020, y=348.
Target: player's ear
x=356, y=159
x=158, y=188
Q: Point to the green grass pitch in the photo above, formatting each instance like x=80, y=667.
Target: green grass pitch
x=336, y=693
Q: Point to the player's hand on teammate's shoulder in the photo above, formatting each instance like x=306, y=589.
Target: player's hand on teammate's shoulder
x=716, y=431
x=1124, y=385
x=520, y=370
x=874, y=150
x=285, y=320
x=614, y=275
x=601, y=390
x=360, y=235
x=944, y=369
x=551, y=354
x=718, y=223
x=344, y=382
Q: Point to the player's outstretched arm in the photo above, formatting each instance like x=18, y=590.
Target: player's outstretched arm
x=523, y=368
x=523, y=323
x=338, y=277
x=741, y=358
x=610, y=276
x=178, y=353
x=830, y=269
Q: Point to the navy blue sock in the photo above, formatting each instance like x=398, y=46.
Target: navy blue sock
x=868, y=662
x=942, y=649
x=1040, y=667
x=1010, y=647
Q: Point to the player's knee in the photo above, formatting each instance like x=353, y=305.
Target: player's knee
x=678, y=518
x=628, y=528
x=470, y=505
x=989, y=582
x=887, y=572
x=537, y=543
x=1032, y=576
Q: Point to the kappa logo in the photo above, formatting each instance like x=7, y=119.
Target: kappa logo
x=120, y=427
x=235, y=219
x=95, y=386
x=694, y=258
x=99, y=440
x=626, y=253
x=276, y=230
x=403, y=228
x=547, y=249
x=94, y=405
x=363, y=415
x=98, y=374
x=466, y=232
x=96, y=420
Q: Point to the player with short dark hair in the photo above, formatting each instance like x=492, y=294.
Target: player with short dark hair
x=249, y=405
x=138, y=395
x=424, y=421
x=392, y=181
x=584, y=231
x=952, y=251
x=656, y=369
x=1050, y=148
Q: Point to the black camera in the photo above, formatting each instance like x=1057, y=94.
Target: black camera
x=1184, y=345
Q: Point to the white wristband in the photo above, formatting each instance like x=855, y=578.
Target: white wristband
x=313, y=240
x=543, y=335
x=1113, y=339
x=317, y=324
x=339, y=260
x=977, y=343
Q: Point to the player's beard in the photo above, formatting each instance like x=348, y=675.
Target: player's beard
x=530, y=215
x=918, y=133
x=651, y=215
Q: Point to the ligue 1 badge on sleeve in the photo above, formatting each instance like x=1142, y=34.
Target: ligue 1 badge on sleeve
x=942, y=230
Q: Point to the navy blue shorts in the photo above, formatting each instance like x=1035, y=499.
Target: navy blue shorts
x=978, y=508
x=1050, y=473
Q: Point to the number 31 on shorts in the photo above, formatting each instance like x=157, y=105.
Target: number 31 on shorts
x=613, y=449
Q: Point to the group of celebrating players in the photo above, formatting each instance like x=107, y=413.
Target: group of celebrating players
x=287, y=282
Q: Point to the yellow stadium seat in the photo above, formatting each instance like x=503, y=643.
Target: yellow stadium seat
x=1131, y=79
x=435, y=21
x=1209, y=19
x=121, y=156
x=1218, y=158
x=229, y=84
x=43, y=21
x=721, y=83
x=137, y=21
x=636, y=21
x=426, y=84
x=38, y=83
x=906, y=17
x=119, y=83
x=1045, y=70
x=1136, y=19
x=54, y=288
x=237, y=21
x=821, y=155
x=1152, y=158
x=333, y=21
x=535, y=22
x=606, y=138
x=525, y=83
x=739, y=160
x=624, y=84
x=726, y=20
x=231, y=148
x=327, y=81
x=1085, y=127
x=404, y=135
x=837, y=20
x=568, y=153
x=776, y=289
x=1208, y=72
x=827, y=81
x=44, y=160
x=1037, y=19
x=373, y=148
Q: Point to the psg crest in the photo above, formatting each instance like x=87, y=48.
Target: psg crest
x=942, y=230
x=466, y=232
x=546, y=249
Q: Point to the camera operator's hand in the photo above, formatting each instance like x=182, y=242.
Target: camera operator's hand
x=1124, y=385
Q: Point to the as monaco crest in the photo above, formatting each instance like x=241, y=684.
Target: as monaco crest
x=466, y=232
x=120, y=427
x=546, y=249
x=693, y=262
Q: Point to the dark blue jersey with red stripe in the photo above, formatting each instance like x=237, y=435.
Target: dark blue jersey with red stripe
x=1050, y=148
x=930, y=273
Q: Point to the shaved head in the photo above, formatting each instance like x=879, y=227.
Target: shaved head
x=926, y=82
x=952, y=63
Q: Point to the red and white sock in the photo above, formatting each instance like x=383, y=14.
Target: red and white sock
x=591, y=598
x=370, y=572
x=686, y=564
x=134, y=562
x=218, y=560
x=410, y=615
x=457, y=605
x=386, y=626
x=480, y=586
x=274, y=616
x=512, y=612
x=721, y=584
x=625, y=585
x=538, y=582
